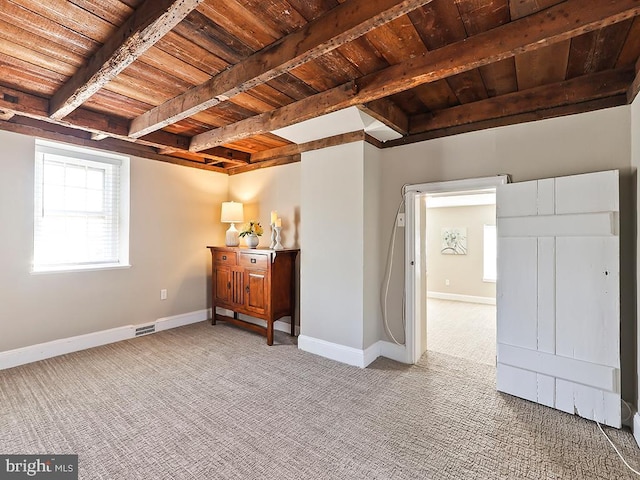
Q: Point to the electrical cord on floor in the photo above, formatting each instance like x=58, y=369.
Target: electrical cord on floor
x=384, y=291
x=617, y=451
x=628, y=417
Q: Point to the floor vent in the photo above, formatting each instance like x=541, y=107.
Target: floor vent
x=145, y=329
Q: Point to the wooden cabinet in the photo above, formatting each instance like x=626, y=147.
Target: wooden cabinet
x=259, y=283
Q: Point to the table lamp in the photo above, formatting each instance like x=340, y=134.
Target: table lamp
x=232, y=212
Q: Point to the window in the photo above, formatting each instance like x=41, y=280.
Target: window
x=81, y=209
x=490, y=268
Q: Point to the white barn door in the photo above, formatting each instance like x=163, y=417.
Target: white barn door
x=558, y=295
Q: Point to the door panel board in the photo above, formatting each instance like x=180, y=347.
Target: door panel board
x=546, y=196
x=519, y=200
x=588, y=402
x=577, y=225
x=546, y=388
x=518, y=382
x=558, y=299
x=594, y=192
x=547, y=294
x=588, y=316
x=557, y=366
x=516, y=294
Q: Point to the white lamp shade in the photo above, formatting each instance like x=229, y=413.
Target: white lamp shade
x=232, y=212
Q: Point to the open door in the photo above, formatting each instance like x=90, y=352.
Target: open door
x=558, y=294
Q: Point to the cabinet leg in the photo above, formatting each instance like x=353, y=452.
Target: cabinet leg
x=293, y=326
x=269, y=332
x=213, y=317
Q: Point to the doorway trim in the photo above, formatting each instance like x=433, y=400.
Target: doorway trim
x=414, y=278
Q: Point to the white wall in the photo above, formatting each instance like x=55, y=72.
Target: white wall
x=373, y=250
x=464, y=272
x=172, y=221
x=331, y=265
x=267, y=189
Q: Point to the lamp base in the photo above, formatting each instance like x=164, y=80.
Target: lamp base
x=232, y=238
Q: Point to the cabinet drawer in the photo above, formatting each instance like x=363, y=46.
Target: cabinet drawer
x=254, y=260
x=225, y=258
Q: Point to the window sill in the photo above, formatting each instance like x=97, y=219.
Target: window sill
x=79, y=268
x=489, y=280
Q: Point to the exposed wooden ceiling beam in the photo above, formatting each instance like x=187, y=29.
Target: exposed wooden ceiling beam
x=373, y=141
x=228, y=155
x=148, y=24
x=295, y=149
x=338, y=26
x=209, y=159
x=576, y=90
x=555, y=24
x=217, y=154
x=387, y=112
x=268, y=163
x=57, y=132
x=542, y=114
x=332, y=100
x=31, y=106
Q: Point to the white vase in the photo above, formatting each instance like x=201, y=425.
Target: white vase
x=252, y=241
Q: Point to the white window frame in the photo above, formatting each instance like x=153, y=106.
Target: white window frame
x=92, y=159
x=489, y=250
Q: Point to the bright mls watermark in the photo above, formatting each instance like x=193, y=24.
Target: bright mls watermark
x=50, y=467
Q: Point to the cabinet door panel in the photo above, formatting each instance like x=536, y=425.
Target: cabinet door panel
x=222, y=292
x=256, y=291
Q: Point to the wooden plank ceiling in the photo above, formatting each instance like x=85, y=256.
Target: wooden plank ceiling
x=204, y=82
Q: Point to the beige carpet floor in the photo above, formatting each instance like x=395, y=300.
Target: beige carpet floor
x=203, y=402
x=462, y=329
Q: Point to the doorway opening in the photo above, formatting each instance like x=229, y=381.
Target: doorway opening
x=460, y=251
x=416, y=252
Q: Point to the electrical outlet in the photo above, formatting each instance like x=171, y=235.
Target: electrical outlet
x=401, y=220
x=163, y=294
x=447, y=282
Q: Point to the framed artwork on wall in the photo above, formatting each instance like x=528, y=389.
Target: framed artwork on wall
x=454, y=241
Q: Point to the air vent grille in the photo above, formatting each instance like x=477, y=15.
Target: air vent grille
x=145, y=330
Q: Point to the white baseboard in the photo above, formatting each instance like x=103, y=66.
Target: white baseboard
x=393, y=351
x=636, y=428
x=334, y=351
x=183, y=319
x=350, y=355
x=462, y=298
x=386, y=349
x=42, y=351
x=628, y=421
x=370, y=354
